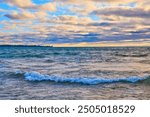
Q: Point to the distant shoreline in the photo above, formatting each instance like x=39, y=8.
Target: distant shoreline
x=69, y=46
x=24, y=46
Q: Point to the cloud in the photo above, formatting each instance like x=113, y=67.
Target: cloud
x=71, y=20
x=20, y=3
x=24, y=15
x=103, y=44
x=28, y=4
x=125, y=12
x=75, y=22
x=47, y=7
x=85, y=7
x=21, y=16
x=99, y=1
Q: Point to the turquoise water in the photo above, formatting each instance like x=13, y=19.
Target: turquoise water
x=74, y=73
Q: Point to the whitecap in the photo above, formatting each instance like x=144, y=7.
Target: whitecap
x=35, y=76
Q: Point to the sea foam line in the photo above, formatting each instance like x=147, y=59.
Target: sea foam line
x=35, y=76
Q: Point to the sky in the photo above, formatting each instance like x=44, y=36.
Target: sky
x=75, y=22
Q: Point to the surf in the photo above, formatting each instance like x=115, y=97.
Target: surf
x=36, y=76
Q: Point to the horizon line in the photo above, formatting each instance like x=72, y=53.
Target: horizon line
x=77, y=46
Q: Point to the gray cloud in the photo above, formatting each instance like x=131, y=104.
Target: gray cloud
x=20, y=16
x=130, y=12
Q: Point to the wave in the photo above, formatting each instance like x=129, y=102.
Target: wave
x=35, y=76
x=132, y=55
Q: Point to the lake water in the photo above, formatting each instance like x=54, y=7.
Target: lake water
x=74, y=73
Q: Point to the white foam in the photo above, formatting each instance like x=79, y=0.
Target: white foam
x=35, y=76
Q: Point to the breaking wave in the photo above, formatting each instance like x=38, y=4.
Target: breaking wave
x=35, y=76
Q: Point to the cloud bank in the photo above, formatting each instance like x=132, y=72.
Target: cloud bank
x=75, y=22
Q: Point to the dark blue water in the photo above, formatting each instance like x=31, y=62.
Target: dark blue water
x=74, y=73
